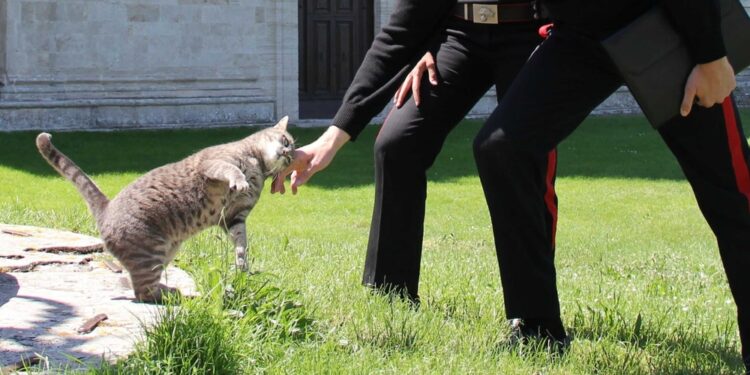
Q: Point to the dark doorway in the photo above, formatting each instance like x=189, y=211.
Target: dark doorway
x=334, y=36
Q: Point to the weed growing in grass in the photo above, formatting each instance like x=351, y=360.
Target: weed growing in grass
x=654, y=345
x=272, y=312
x=241, y=322
x=606, y=321
x=206, y=335
x=189, y=338
x=391, y=330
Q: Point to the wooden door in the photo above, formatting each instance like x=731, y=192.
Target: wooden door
x=334, y=37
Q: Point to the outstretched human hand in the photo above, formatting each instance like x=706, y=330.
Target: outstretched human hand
x=311, y=159
x=711, y=83
x=300, y=163
x=414, y=78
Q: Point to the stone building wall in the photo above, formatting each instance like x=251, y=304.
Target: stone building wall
x=93, y=64
x=90, y=64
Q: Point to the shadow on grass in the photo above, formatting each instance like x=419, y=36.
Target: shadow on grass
x=604, y=146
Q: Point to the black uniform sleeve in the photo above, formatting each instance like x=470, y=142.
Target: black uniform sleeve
x=699, y=22
x=411, y=24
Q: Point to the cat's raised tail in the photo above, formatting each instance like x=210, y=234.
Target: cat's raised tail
x=95, y=199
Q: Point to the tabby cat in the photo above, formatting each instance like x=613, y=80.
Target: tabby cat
x=144, y=225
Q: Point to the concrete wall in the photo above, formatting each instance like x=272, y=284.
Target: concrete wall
x=132, y=63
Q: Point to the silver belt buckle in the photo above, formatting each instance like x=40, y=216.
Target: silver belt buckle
x=485, y=13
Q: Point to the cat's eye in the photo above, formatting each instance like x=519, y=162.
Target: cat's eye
x=284, y=141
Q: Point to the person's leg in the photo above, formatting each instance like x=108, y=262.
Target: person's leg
x=406, y=147
x=713, y=153
x=565, y=79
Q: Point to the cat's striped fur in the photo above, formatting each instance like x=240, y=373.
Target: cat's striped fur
x=144, y=225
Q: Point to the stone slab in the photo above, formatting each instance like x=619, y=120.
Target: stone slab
x=42, y=308
x=14, y=238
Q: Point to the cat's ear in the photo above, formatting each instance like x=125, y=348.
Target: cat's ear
x=282, y=124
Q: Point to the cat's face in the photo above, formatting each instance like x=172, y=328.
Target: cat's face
x=278, y=150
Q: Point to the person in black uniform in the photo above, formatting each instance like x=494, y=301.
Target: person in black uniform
x=471, y=46
x=564, y=80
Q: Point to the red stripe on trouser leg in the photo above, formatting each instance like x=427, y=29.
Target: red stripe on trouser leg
x=739, y=164
x=549, y=196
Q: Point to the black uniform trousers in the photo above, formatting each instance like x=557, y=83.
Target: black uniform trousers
x=470, y=58
x=565, y=79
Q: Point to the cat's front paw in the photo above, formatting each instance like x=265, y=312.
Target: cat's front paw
x=240, y=186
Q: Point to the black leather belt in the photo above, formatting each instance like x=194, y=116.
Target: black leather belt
x=494, y=13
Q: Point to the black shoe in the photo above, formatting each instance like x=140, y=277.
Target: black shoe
x=536, y=334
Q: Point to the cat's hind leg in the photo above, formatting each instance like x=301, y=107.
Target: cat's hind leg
x=145, y=267
x=147, y=290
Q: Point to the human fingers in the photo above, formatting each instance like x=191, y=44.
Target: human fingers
x=415, y=84
x=706, y=101
x=396, y=95
x=299, y=178
x=403, y=91
x=431, y=70
x=300, y=162
x=688, y=98
x=294, y=183
x=277, y=186
x=715, y=81
x=715, y=95
x=302, y=176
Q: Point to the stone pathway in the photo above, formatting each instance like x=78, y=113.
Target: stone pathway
x=51, y=283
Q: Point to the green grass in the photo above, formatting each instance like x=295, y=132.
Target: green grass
x=641, y=284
